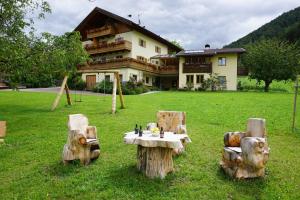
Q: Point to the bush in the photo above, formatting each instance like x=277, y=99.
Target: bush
x=189, y=86
x=128, y=88
x=239, y=86
x=212, y=82
x=75, y=82
x=104, y=87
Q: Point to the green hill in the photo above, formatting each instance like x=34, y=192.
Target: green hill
x=284, y=27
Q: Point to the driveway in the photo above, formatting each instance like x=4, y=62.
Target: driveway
x=56, y=90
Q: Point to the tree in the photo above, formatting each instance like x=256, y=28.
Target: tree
x=17, y=17
x=270, y=60
x=176, y=43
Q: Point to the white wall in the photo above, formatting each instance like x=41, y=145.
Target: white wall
x=147, y=51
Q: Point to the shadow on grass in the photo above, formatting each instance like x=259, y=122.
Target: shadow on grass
x=249, y=187
x=129, y=179
x=58, y=169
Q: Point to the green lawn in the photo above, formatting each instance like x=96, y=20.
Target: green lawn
x=30, y=161
x=276, y=86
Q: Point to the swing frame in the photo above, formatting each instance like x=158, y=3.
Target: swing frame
x=116, y=84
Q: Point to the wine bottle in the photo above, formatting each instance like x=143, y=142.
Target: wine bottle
x=140, y=132
x=161, y=132
x=136, y=130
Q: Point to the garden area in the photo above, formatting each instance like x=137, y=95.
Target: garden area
x=31, y=164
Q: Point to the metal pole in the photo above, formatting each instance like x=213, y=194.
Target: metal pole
x=295, y=102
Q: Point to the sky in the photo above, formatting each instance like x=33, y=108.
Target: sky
x=193, y=23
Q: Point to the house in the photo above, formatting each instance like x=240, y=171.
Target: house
x=118, y=44
x=197, y=65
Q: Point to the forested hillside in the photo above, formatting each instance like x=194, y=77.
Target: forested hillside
x=284, y=27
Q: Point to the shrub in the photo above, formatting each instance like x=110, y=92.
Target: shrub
x=239, y=86
x=189, y=86
x=104, y=87
x=128, y=88
x=75, y=82
x=210, y=83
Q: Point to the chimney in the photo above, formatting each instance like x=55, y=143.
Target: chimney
x=207, y=46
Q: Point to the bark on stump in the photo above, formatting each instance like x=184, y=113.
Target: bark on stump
x=154, y=161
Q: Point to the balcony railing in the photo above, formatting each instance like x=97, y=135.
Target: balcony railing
x=197, y=68
x=98, y=32
x=109, y=47
x=128, y=63
x=169, y=70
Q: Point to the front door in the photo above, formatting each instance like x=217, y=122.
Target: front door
x=90, y=82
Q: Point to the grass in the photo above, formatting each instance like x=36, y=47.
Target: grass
x=276, y=86
x=30, y=161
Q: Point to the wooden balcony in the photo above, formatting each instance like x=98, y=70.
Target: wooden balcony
x=169, y=70
x=197, y=68
x=99, y=32
x=117, y=64
x=122, y=45
x=128, y=63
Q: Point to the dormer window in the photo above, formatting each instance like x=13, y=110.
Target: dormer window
x=142, y=43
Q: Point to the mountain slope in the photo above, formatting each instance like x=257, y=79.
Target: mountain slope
x=285, y=27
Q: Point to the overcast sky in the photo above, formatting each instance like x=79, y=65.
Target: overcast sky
x=192, y=22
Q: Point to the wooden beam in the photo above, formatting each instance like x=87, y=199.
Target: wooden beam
x=68, y=95
x=120, y=90
x=114, y=95
x=56, y=101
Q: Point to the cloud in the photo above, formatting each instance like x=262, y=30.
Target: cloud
x=192, y=22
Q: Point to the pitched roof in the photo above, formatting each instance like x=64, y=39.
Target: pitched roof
x=208, y=52
x=129, y=23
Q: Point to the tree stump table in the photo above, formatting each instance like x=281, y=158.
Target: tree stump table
x=155, y=154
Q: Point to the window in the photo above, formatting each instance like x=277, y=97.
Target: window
x=134, y=77
x=142, y=43
x=199, y=78
x=157, y=49
x=107, y=77
x=222, y=81
x=222, y=61
x=157, y=62
x=147, y=80
x=189, y=78
x=119, y=56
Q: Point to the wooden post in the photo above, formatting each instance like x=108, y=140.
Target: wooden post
x=2, y=131
x=56, y=101
x=114, y=95
x=120, y=90
x=295, y=102
x=68, y=95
